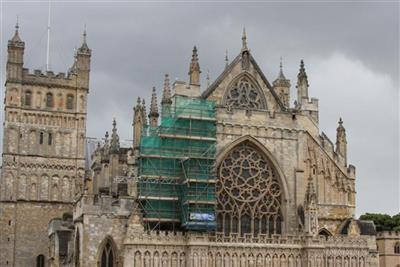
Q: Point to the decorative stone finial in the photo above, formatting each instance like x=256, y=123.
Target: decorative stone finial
x=340, y=122
x=244, y=40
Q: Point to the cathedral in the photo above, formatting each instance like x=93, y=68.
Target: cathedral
x=227, y=174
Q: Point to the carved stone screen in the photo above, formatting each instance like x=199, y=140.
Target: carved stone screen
x=248, y=193
x=243, y=94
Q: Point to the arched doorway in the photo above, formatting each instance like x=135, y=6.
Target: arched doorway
x=249, y=192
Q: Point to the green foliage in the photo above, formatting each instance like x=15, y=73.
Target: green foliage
x=383, y=222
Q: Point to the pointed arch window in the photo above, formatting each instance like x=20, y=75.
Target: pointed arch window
x=397, y=248
x=28, y=98
x=70, y=102
x=249, y=194
x=244, y=94
x=40, y=261
x=49, y=100
x=108, y=256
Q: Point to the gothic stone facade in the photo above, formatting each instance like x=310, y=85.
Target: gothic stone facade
x=296, y=211
x=43, y=152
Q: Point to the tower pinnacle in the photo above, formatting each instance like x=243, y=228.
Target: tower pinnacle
x=153, y=114
x=302, y=83
x=194, y=69
x=166, y=97
x=341, y=140
x=114, y=143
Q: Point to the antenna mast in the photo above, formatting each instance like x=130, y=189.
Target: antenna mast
x=48, y=39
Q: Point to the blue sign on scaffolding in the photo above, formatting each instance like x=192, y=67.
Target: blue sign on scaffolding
x=202, y=217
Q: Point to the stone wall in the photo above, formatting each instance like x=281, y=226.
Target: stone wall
x=195, y=250
x=386, y=242
x=24, y=230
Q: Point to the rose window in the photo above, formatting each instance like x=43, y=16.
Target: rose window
x=249, y=195
x=244, y=95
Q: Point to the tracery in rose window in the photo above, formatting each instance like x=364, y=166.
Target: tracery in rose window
x=249, y=195
x=243, y=94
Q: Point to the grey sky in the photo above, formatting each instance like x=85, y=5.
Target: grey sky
x=351, y=52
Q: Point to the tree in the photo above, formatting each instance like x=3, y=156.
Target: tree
x=383, y=222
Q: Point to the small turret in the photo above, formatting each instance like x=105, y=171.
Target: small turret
x=194, y=69
x=114, y=143
x=153, y=114
x=15, y=60
x=166, y=100
x=302, y=84
x=310, y=209
x=341, y=141
x=282, y=86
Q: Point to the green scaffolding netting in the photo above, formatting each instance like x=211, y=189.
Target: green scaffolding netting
x=176, y=167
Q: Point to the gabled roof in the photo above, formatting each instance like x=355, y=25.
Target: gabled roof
x=229, y=68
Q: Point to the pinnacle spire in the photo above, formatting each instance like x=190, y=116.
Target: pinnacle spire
x=208, y=78
x=114, y=143
x=84, y=47
x=166, y=97
x=153, y=104
x=194, y=68
x=153, y=114
x=302, y=83
x=226, y=58
x=341, y=140
x=302, y=72
x=281, y=76
x=16, y=37
x=244, y=40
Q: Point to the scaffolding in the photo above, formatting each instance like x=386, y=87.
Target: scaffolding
x=176, y=185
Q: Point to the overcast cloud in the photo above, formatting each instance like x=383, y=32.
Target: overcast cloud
x=350, y=51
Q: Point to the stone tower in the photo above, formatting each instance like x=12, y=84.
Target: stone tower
x=43, y=151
